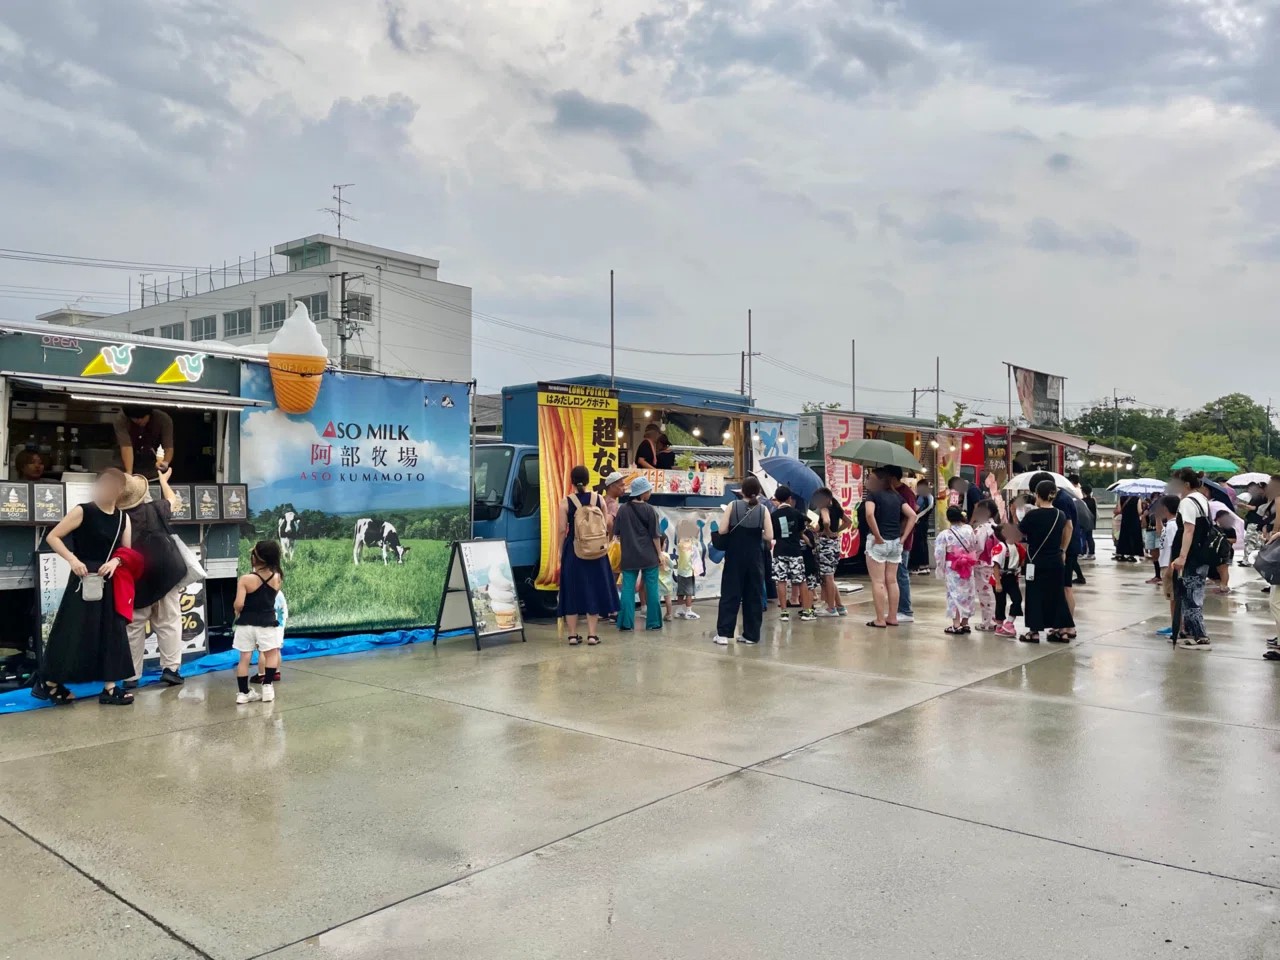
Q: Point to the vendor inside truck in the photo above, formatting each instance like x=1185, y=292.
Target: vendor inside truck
x=140, y=431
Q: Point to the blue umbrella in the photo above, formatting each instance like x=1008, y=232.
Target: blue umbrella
x=1220, y=492
x=802, y=480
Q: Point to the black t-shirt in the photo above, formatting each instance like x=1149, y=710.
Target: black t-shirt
x=1043, y=528
x=637, y=527
x=888, y=513
x=836, y=514
x=788, y=526
x=666, y=460
x=648, y=453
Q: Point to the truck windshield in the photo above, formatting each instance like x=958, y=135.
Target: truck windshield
x=493, y=468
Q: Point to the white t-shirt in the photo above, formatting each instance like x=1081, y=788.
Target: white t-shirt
x=1192, y=508
x=1166, y=542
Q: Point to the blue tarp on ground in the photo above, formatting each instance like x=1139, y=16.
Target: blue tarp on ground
x=295, y=648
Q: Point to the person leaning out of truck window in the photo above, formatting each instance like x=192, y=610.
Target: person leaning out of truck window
x=140, y=431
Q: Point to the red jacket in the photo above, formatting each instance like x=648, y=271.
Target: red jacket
x=124, y=581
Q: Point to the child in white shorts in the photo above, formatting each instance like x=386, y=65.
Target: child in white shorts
x=258, y=625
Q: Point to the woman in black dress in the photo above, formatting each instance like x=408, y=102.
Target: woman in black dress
x=1129, y=544
x=587, y=587
x=88, y=641
x=1047, y=532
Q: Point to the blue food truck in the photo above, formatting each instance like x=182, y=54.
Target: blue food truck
x=714, y=437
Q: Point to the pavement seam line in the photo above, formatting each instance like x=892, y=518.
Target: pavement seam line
x=1021, y=833
x=101, y=885
x=493, y=866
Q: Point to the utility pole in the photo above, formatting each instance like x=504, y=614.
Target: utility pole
x=751, y=382
x=1268, y=426
x=1116, y=400
x=916, y=393
x=853, y=369
x=613, y=381
x=346, y=327
x=742, y=389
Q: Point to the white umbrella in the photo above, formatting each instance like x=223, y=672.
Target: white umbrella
x=1138, y=486
x=1244, y=479
x=1022, y=483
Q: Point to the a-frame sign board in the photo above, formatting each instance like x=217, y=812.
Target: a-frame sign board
x=479, y=592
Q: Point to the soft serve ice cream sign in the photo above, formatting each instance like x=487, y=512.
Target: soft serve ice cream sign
x=297, y=357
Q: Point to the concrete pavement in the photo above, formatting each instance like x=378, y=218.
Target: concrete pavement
x=835, y=792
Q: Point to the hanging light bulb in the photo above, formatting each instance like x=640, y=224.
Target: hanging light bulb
x=966, y=446
x=952, y=448
x=648, y=414
x=697, y=431
x=726, y=435
x=1093, y=463
x=755, y=437
x=934, y=444
x=619, y=434
x=1128, y=466
x=917, y=442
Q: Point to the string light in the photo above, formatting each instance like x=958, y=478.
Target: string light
x=648, y=414
x=619, y=434
x=726, y=435
x=697, y=431
x=934, y=444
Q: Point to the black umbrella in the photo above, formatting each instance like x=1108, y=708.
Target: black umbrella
x=1220, y=492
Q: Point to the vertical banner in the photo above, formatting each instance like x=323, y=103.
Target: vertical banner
x=1039, y=395
x=688, y=533
x=365, y=493
x=843, y=478
x=576, y=426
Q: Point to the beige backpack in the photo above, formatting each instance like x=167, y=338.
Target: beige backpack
x=590, y=529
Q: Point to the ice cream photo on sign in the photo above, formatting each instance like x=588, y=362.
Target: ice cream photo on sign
x=297, y=357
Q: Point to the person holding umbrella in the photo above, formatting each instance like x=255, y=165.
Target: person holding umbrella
x=889, y=521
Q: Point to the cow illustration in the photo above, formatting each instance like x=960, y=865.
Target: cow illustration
x=287, y=528
x=377, y=533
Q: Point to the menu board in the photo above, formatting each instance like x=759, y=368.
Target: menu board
x=15, y=502
x=492, y=586
x=181, y=502
x=235, y=502
x=49, y=504
x=207, y=503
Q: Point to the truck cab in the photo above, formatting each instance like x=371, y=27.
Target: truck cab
x=507, y=507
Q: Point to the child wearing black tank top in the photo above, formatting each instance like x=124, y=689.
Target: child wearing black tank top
x=258, y=626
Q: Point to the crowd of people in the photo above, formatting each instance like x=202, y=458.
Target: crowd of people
x=999, y=563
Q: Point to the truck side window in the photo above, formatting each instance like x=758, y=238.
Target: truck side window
x=528, y=491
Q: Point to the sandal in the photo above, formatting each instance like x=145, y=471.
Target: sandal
x=57, y=694
x=574, y=640
x=1030, y=638
x=116, y=697
x=966, y=629
x=954, y=631
x=878, y=626
x=593, y=641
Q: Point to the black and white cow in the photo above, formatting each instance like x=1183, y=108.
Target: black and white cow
x=287, y=528
x=377, y=533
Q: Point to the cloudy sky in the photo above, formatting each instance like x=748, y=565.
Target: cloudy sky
x=1089, y=188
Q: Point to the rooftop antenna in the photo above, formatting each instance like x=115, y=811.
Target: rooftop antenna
x=337, y=212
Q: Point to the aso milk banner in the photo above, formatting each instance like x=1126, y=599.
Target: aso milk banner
x=364, y=492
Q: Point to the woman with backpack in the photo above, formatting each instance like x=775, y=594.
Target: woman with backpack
x=587, y=584
x=747, y=527
x=955, y=557
x=1048, y=531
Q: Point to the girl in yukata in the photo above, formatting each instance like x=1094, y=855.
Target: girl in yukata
x=954, y=560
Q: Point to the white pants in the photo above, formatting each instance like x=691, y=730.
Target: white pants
x=166, y=622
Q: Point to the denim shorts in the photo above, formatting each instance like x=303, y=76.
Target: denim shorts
x=888, y=552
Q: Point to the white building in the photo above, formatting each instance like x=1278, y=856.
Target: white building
x=407, y=322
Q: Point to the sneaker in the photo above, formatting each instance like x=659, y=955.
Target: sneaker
x=827, y=613
x=1194, y=643
x=807, y=616
x=723, y=641
x=1166, y=632
x=841, y=612
x=249, y=697
x=1271, y=655
x=690, y=615
x=1274, y=642
x=257, y=677
x=785, y=617
x=172, y=677
x=984, y=627
x=1005, y=630
x=750, y=643
x=906, y=618
x=268, y=692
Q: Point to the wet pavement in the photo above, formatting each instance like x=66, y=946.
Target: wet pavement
x=835, y=792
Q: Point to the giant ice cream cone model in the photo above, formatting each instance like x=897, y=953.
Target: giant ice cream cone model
x=297, y=358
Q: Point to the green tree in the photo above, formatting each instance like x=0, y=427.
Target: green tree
x=958, y=418
x=810, y=407
x=1242, y=420
x=1154, y=431
x=1194, y=444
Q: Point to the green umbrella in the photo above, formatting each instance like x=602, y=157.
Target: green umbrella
x=877, y=453
x=1207, y=464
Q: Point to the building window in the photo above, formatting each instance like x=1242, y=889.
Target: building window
x=173, y=331
x=360, y=307
x=356, y=362
x=317, y=305
x=271, y=316
x=237, y=323
x=204, y=328
x=149, y=332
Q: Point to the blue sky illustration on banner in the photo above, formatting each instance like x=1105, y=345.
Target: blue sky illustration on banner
x=370, y=443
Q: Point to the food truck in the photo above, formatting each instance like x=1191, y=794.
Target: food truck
x=548, y=428
x=345, y=469
x=63, y=391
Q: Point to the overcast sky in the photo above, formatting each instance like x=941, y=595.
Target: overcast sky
x=1088, y=188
